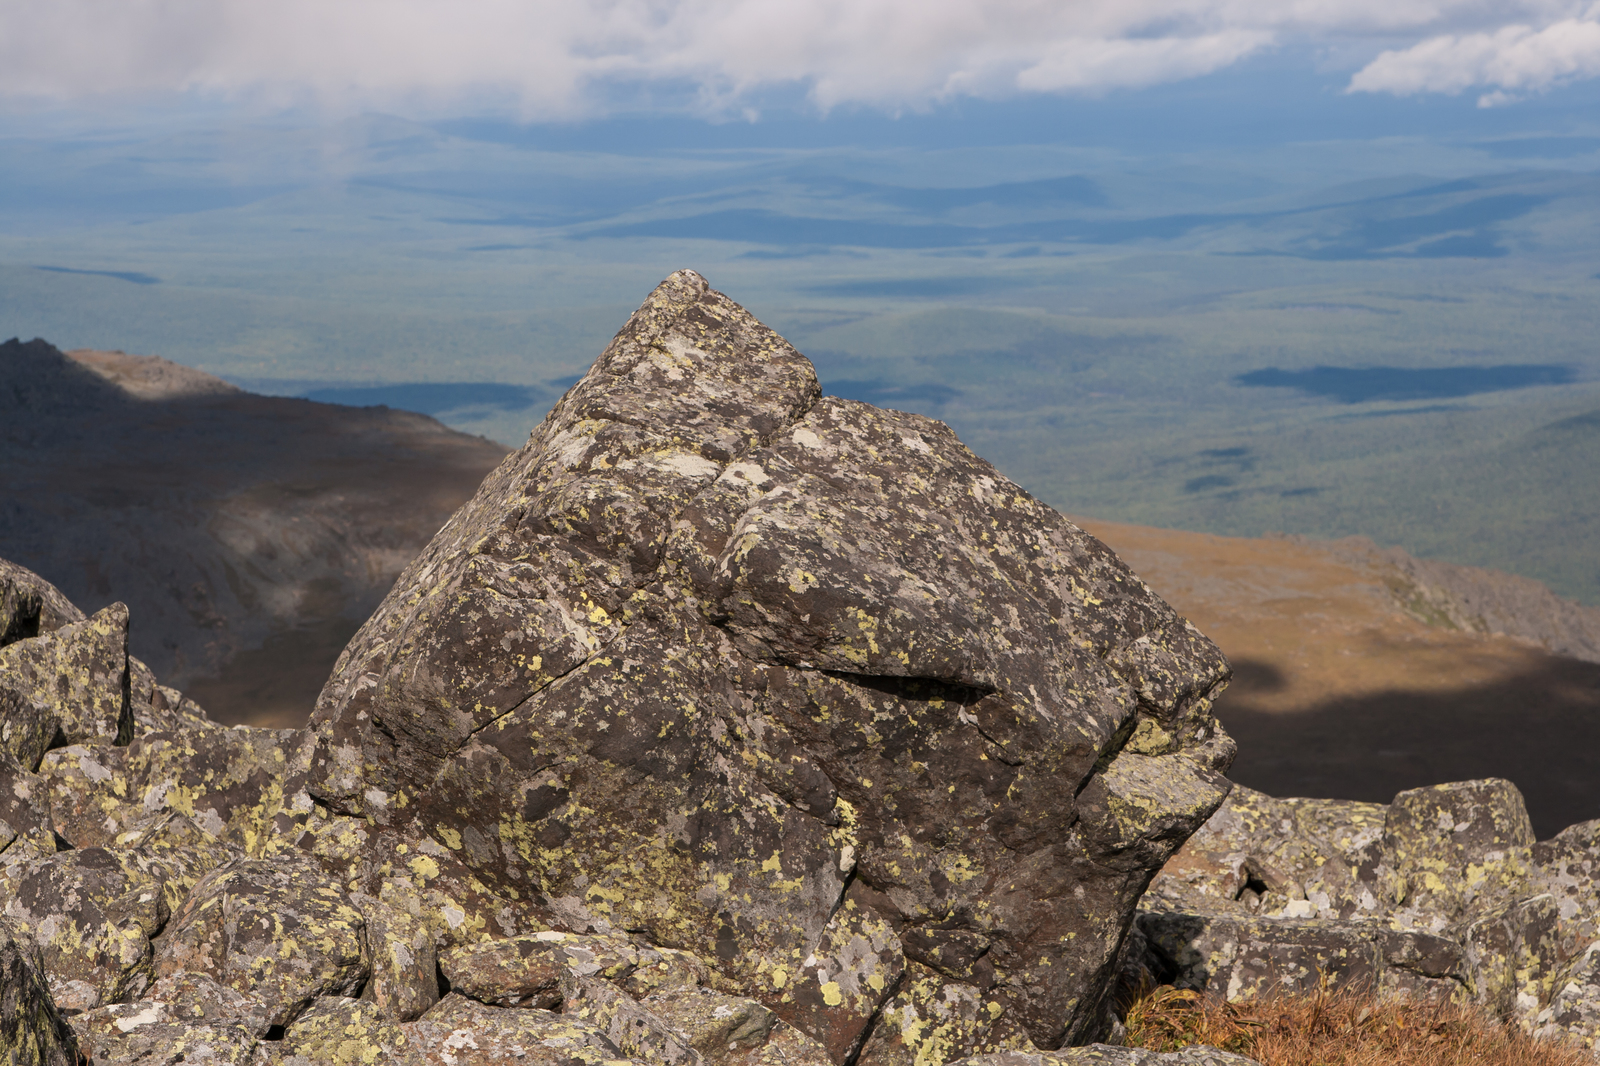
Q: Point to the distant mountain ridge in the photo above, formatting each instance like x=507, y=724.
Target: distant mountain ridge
x=250, y=534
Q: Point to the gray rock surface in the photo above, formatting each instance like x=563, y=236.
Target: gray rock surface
x=71, y=683
x=461, y=1032
x=276, y=929
x=797, y=685
x=1442, y=893
x=30, y=605
x=32, y=1032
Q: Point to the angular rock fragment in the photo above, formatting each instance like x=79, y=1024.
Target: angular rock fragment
x=188, y=1015
x=1574, y=1010
x=339, y=1031
x=638, y=1033
x=461, y=1032
x=1514, y=953
x=527, y=971
x=30, y=605
x=1252, y=957
x=166, y=709
x=796, y=685
x=1567, y=866
x=141, y=1040
x=229, y=781
x=92, y=913
x=405, y=962
x=931, y=1017
x=273, y=928
x=79, y=674
x=1457, y=849
x=1445, y=894
x=733, y=1031
x=27, y=726
x=186, y=999
x=32, y=1032
x=1298, y=858
x=24, y=806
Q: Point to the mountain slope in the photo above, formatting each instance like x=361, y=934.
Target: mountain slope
x=250, y=535
x=1360, y=672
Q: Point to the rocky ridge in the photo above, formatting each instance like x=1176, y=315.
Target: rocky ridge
x=726, y=723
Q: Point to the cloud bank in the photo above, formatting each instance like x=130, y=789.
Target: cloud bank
x=1514, y=59
x=552, y=59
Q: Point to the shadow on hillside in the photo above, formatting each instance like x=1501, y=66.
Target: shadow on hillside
x=1539, y=728
x=275, y=686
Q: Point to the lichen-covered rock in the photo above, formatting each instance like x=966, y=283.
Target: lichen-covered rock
x=461, y=1032
x=405, y=961
x=1567, y=866
x=1514, y=954
x=30, y=605
x=79, y=673
x=637, y=1031
x=1294, y=858
x=92, y=913
x=273, y=928
x=1251, y=957
x=184, y=999
x=90, y=801
x=229, y=781
x=794, y=684
x=27, y=726
x=527, y=971
x=24, y=806
x=339, y=1031
x=165, y=709
x=1574, y=1010
x=932, y=1018
x=1456, y=850
x=1442, y=893
x=141, y=1039
x=734, y=1031
x=32, y=1032
x=420, y=877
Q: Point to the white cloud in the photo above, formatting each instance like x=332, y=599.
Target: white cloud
x=561, y=58
x=1512, y=59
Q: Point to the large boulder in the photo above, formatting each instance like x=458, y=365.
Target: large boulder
x=30, y=605
x=32, y=1032
x=73, y=683
x=789, y=683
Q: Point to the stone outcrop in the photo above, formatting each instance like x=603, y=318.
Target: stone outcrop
x=728, y=725
x=1441, y=893
x=794, y=684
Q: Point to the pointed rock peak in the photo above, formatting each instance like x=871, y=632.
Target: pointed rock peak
x=695, y=366
x=771, y=678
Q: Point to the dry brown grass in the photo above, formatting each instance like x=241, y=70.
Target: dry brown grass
x=1339, y=1027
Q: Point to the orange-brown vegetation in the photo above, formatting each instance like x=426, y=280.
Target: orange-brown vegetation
x=1338, y=1027
x=1340, y=693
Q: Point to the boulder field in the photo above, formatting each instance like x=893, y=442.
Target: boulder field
x=727, y=725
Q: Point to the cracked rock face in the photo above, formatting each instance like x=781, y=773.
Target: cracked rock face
x=790, y=683
x=1441, y=894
